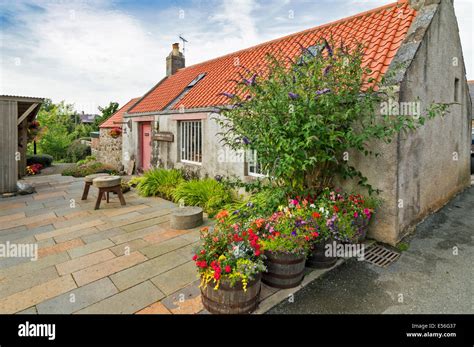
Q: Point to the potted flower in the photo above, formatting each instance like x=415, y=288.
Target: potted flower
x=286, y=240
x=115, y=132
x=230, y=263
x=363, y=210
x=33, y=169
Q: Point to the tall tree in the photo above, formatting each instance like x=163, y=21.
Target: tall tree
x=106, y=113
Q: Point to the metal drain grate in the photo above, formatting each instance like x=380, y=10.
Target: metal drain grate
x=380, y=256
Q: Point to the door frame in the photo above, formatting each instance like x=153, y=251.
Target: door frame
x=140, y=142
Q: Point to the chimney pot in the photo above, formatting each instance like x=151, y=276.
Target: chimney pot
x=175, y=48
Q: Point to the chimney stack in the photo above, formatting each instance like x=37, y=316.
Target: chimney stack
x=174, y=61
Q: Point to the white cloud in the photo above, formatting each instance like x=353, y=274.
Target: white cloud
x=91, y=53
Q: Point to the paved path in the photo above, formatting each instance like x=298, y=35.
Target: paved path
x=435, y=275
x=113, y=260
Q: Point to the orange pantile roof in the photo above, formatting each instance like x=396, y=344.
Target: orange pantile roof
x=381, y=30
x=118, y=116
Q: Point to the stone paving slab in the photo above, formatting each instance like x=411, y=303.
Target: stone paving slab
x=13, y=285
x=37, y=294
x=107, y=268
x=90, y=248
x=78, y=298
x=83, y=262
x=112, y=260
x=146, y=270
x=179, y=277
x=128, y=301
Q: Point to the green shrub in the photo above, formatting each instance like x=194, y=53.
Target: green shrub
x=262, y=203
x=159, y=182
x=88, y=159
x=207, y=193
x=89, y=169
x=135, y=181
x=77, y=151
x=43, y=159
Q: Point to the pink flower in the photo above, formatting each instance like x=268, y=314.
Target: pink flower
x=356, y=215
x=367, y=212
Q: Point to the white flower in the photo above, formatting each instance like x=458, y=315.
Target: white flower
x=312, y=206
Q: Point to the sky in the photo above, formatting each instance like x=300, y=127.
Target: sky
x=92, y=52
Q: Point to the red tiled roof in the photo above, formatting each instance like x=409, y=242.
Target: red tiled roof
x=381, y=30
x=118, y=116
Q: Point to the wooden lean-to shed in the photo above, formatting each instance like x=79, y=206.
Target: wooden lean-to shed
x=16, y=112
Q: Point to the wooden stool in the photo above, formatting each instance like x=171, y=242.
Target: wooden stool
x=108, y=184
x=88, y=182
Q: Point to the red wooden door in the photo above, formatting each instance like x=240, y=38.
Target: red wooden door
x=145, y=146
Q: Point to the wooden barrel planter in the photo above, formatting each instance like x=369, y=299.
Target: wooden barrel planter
x=285, y=270
x=318, y=259
x=231, y=300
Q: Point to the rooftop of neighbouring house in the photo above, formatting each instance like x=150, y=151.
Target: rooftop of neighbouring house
x=117, y=117
x=87, y=118
x=381, y=30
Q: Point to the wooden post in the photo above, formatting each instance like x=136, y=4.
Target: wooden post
x=8, y=145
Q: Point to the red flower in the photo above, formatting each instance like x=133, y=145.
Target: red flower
x=228, y=269
x=195, y=257
x=201, y=264
x=203, y=252
x=217, y=275
x=335, y=208
x=257, y=252
x=316, y=215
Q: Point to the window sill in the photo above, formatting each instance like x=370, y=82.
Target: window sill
x=191, y=162
x=256, y=175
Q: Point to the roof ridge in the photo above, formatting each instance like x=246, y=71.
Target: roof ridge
x=341, y=20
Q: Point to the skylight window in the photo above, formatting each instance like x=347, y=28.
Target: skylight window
x=196, y=80
x=310, y=52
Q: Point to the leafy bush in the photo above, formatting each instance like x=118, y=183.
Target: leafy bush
x=135, y=181
x=77, y=151
x=44, y=159
x=89, y=169
x=88, y=159
x=262, y=203
x=313, y=112
x=159, y=182
x=207, y=193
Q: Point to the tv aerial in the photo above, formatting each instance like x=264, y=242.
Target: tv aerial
x=184, y=42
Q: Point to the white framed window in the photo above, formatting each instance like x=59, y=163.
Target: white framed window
x=191, y=141
x=254, y=167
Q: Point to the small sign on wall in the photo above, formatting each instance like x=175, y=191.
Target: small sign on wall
x=165, y=136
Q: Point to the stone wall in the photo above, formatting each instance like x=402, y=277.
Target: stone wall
x=434, y=162
x=110, y=149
